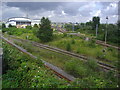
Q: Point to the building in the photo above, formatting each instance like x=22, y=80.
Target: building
x=35, y=21
x=19, y=22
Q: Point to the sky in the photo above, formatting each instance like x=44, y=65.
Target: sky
x=62, y=11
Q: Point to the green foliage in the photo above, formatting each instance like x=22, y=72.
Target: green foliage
x=76, y=68
x=29, y=27
x=92, y=43
x=3, y=25
x=64, y=35
x=35, y=26
x=68, y=47
x=96, y=21
x=92, y=64
x=72, y=41
x=45, y=33
x=10, y=25
x=24, y=72
x=16, y=31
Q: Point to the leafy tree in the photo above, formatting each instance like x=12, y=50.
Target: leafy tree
x=118, y=24
x=35, y=26
x=96, y=21
x=10, y=25
x=3, y=25
x=45, y=33
x=89, y=23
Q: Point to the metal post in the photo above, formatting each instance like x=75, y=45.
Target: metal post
x=72, y=27
x=106, y=30
x=96, y=30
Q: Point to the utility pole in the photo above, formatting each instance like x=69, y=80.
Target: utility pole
x=106, y=30
x=96, y=30
x=27, y=12
x=72, y=27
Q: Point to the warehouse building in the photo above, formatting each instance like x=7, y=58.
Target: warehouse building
x=19, y=22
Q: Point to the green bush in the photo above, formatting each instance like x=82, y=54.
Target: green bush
x=72, y=41
x=68, y=47
x=91, y=63
x=75, y=68
x=92, y=43
x=64, y=35
x=28, y=73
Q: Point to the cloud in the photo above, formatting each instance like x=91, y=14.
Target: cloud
x=8, y=12
x=62, y=11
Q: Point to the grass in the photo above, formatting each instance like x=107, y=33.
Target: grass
x=84, y=71
x=26, y=72
x=72, y=65
x=87, y=48
x=78, y=45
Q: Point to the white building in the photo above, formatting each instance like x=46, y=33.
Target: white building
x=35, y=21
x=19, y=22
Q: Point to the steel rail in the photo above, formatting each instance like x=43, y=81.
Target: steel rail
x=59, y=72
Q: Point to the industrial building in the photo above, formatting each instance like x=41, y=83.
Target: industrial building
x=22, y=22
x=19, y=22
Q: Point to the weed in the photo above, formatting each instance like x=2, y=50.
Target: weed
x=68, y=47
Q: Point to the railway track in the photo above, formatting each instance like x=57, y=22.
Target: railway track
x=101, y=42
x=107, y=45
x=97, y=41
x=59, y=72
x=81, y=57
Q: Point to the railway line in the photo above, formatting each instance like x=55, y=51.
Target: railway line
x=81, y=57
x=97, y=41
x=59, y=72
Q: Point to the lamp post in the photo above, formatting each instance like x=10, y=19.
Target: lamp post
x=106, y=29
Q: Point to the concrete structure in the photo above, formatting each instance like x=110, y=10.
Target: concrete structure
x=19, y=22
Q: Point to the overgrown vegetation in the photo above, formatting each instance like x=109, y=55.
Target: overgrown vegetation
x=21, y=71
x=89, y=28
x=89, y=74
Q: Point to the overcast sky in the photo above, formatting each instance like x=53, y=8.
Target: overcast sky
x=62, y=11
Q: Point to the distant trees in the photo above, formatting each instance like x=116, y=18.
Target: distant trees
x=95, y=21
x=10, y=25
x=45, y=33
x=35, y=26
x=28, y=27
x=3, y=25
x=118, y=24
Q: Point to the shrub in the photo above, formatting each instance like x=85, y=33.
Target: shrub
x=28, y=27
x=75, y=68
x=78, y=50
x=91, y=43
x=64, y=35
x=30, y=73
x=70, y=67
x=72, y=41
x=68, y=47
x=92, y=64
